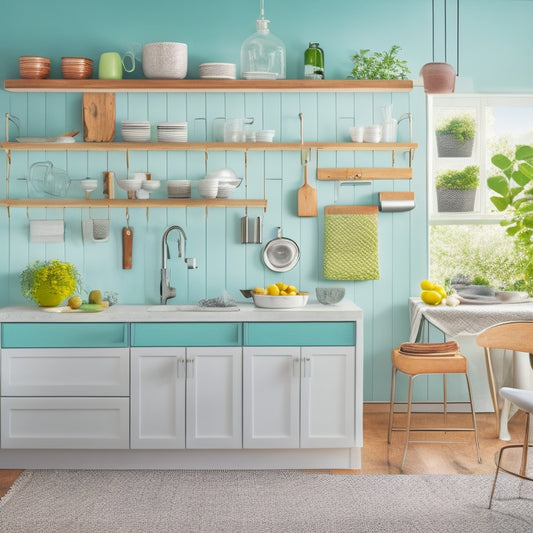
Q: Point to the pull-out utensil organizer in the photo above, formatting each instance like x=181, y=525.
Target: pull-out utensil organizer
x=396, y=201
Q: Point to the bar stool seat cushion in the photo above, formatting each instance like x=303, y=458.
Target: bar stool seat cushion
x=413, y=365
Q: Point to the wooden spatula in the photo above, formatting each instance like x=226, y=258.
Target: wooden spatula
x=307, y=201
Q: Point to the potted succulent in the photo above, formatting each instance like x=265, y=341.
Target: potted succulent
x=455, y=136
x=49, y=282
x=379, y=65
x=456, y=189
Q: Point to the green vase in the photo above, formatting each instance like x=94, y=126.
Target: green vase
x=47, y=298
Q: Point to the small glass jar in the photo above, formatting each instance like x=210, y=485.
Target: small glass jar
x=314, y=62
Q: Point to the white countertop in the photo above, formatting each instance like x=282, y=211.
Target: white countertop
x=247, y=312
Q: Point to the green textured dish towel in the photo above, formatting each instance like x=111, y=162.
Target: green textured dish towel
x=351, y=242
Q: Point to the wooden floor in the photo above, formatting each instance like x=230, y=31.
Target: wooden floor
x=378, y=457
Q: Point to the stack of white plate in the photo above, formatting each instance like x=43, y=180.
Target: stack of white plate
x=223, y=71
x=264, y=136
x=179, y=188
x=135, y=130
x=172, y=132
x=208, y=188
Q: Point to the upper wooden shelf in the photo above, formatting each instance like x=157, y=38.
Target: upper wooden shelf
x=203, y=146
x=203, y=85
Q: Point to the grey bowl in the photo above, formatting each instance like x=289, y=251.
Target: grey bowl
x=329, y=295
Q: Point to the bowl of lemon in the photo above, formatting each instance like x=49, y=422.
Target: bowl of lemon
x=279, y=296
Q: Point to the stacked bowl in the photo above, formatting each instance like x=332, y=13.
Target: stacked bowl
x=264, y=136
x=223, y=71
x=76, y=68
x=172, y=132
x=372, y=134
x=179, y=188
x=208, y=188
x=227, y=181
x=34, y=67
x=135, y=130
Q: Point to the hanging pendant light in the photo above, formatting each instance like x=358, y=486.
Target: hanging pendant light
x=263, y=55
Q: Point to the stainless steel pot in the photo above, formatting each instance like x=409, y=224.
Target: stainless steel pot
x=281, y=254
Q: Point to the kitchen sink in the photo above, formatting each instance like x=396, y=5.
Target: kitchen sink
x=187, y=308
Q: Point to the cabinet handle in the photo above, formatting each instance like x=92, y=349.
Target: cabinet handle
x=181, y=364
x=296, y=367
x=190, y=368
x=307, y=365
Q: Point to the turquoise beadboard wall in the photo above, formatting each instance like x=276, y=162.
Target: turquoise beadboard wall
x=490, y=33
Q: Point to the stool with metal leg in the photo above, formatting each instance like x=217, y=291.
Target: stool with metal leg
x=422, y=359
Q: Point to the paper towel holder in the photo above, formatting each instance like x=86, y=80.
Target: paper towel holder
x=396, y=201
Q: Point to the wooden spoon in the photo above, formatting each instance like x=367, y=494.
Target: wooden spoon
x=69, y=134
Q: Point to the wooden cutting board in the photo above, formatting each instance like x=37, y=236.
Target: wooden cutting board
x=98, y=117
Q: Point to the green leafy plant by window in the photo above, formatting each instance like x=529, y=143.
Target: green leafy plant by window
x=462, y=127
x=514, y=194
x=465, y=179
x=379, y=65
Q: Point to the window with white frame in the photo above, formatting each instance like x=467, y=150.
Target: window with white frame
x=465, y=232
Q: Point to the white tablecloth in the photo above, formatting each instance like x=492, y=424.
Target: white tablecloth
x=465, y=318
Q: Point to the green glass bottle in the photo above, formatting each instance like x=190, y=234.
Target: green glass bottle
x=314, y=62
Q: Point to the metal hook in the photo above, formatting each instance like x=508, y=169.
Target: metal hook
x=127, y=217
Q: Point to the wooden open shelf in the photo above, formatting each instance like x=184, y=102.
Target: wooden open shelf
x=155, y=202
x=203, y=146
x=204, y=85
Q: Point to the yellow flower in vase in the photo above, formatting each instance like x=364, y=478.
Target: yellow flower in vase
x=49, y=282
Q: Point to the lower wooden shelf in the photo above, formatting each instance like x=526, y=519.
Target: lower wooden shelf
x=59, y=203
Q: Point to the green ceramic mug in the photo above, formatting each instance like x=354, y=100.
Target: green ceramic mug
x=111, y=64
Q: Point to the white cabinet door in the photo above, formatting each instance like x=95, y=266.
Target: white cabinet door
x=158, y=398
x=74, y=423
x=214, y=397
x=328, y=397
x=271, y=390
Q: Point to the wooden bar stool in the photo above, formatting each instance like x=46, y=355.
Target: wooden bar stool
x=416, y=359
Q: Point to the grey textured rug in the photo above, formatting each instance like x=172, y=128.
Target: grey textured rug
x=153, y=501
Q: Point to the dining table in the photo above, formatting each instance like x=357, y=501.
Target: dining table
x=462, y=323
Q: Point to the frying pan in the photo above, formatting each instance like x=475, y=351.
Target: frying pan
x=281, y=254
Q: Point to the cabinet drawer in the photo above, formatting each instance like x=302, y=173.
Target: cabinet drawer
x=67, y=423
x=50, y=335
x=186, y=334
x=299, y=334
x=65, y=372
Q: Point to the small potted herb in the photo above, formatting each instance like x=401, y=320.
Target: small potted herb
x=455, y=136
x=456, y=189
x=49, y=282
x=379, y=65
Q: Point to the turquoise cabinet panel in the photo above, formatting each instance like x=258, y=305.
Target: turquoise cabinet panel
x=46, y=335
x=186, y=334
x=299, y=334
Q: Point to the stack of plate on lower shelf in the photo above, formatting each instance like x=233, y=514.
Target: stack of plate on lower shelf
x=179, y=188
x=172, y=132
x=135, y=131
x=224, y=71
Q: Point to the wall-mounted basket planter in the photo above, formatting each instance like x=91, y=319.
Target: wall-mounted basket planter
x=455, y=200
x=450, y=146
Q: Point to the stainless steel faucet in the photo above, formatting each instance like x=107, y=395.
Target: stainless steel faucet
x=165, y=290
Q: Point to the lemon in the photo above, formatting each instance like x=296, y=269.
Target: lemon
x=283, y=293
x=74, y=302
x=292, y=288
x=272, y=290
x=281, y=286
x=293, y=293
x=259, y=290
x=440, y=290
x=427, y=285
x=431, y=297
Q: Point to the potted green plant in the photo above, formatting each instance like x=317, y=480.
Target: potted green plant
x=514, y=193
x=455, y=136
x=379, y=65
x=456, y=189
x=49, y=282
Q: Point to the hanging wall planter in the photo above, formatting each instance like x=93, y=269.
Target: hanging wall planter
x=455, y=137
x=456, y=189
x=455, y=201
x=438, y=78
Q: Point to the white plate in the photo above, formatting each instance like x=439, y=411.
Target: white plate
x=491, y=301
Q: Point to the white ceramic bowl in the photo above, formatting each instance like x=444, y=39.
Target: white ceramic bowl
x=280, y=302
x=511, y=296
x=329, y=295
x=166, y=61
x=221, y=173
x=150, y=185
x=130, y=185
x=208, y=188
x=88, y=184
x=357, y=133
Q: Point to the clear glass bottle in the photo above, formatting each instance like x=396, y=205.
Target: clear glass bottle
x=263, y=54
x=314, y=62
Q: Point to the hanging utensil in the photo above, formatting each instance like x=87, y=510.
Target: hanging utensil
x=127, y=244
x=281, y=254
x=307, y=199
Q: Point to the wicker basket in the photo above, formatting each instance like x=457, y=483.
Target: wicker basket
x=449, y=146
x=453, y=200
